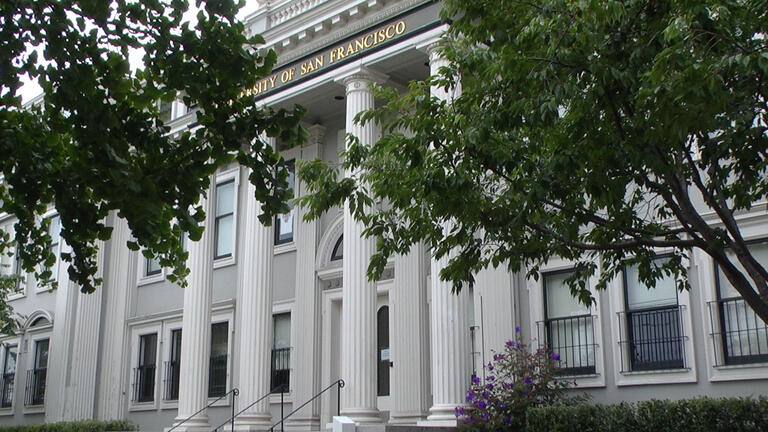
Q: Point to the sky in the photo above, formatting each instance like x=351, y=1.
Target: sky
x=30, y=89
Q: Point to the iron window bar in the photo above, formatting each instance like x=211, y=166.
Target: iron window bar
x=171, y=384
x=35, y=389
x=739, y=335
x=280, y=375
x=652, y=339
x=6, y=400
x=573, y=339
x=144, y=383
x=217, y=378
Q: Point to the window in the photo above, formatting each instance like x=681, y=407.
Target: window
x=165, y=110
x=652, y=337
x=281, y=353
x=144, y=374
x=9, y=375
x=217, y=381
x=35, y=391
x=54, y=230
x=284, y=222
x=225, y=218
x=18, y=272
x=173, y=367
x=382, y=345
x=338, y=250
x=568, y=326
x=153, y=267
x=743, y=335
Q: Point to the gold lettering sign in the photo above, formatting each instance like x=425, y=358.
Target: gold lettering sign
x=327, y=58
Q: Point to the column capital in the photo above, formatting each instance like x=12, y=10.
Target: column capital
x=358, y=78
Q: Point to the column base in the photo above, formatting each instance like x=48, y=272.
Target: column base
x=406, y=418
x=199, y=424
x=303, y=424
x=253, y=422
x=441, y=415
x=363, y=415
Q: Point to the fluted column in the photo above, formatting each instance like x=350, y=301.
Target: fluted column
x=358, y=350
x=306, y=372
x=196, y=324
x=449, y=326
x=119, y=270
x=410, y=338
x=255, y=306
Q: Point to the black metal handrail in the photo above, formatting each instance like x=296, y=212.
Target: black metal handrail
x=234, y=392
x=339, y=383
x=281, y=390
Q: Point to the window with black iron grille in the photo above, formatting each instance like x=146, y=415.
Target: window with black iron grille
x=651, y=326
x=9, y=375
x=217, y=381
x=740, y=336
x=144, y=373
x=382, y=342
x=35, y=389
x=284, y=222
x=281, y=353
x=173, y=367
x=568, y=327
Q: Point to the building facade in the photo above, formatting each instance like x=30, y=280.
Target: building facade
x=289, y=306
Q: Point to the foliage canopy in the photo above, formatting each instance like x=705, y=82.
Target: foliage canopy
x=96, y=142
x=601, y=132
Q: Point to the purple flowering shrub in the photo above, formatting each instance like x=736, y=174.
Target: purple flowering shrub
x=516, y=380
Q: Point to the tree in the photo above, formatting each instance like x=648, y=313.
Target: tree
x=97, y=141
x=602, y=132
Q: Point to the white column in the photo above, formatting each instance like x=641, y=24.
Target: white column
x=358, y=349
x=81, y=391
x=119, y=270
x=449, y=327
x=306, y=318
x=255, y=309
x=196, y=324
x=410, y=338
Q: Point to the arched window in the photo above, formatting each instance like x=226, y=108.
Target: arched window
x=338, y=249
x=382, y=339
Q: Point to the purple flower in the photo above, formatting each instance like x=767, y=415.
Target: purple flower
x=481, y=404
x=484, y=394
x=485, y=416
x=456, y=412
x=510, y=343
x=475, y=379
x=497, y=357
x=507, y=420
x=517, y=329
x=490, y=366
x=503, y=405
x=490, y=378
x=526, y=393
x=470, y=396
x=489, y=386
x=528, y=380
x=555, y=356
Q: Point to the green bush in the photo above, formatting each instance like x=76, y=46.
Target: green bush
x=688, y=415
x=78, y=426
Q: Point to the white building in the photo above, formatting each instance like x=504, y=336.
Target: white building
x=290, y=305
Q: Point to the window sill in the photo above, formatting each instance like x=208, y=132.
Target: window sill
x=742, y=366
x=169, y=404
x=143, y=406
x=222, y=403
x=16, y=296
x=224, y=262
x=655, y=372
x=285, y=247
x=657, y=377
x=34, y=409
x=147, y=280
x=275, y=398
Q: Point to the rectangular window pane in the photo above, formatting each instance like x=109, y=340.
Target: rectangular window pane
x=144, y=378
x=284, y=222
x=282, y=332
x=153, y=267
x=639, y=295
x=224, y=226
x=225, y=198
x=217, y=383
x=41, y=354
x=759, y=251
x=560, y=302
x=173, y=367
x=9, y=376
x=281, y=353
